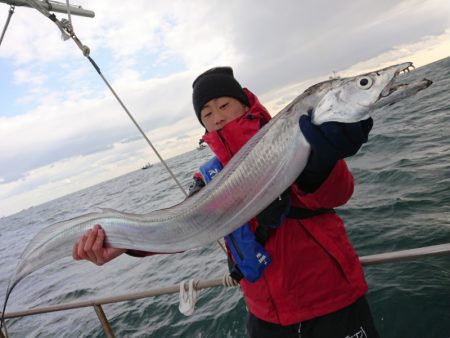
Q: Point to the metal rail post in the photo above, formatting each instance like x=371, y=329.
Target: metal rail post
x=104, y=321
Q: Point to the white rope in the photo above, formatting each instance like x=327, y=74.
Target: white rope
x=229, y=281
x=188, y=298
x=189, y=290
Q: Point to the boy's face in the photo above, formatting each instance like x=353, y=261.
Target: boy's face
x=216, y=113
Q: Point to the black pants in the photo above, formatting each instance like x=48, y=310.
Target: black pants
x=354, y=321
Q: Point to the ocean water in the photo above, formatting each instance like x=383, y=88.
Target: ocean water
x=401, y=201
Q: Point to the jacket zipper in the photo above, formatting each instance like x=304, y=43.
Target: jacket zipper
x=226, y=145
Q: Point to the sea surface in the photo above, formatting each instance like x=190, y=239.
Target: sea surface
x=401, y=201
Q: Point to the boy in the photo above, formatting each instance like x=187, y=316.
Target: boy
x=298, y=272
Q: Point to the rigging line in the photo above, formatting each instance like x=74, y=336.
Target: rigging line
x=67, y=30
x=10, y=13
x=135, y=123
x=97, y=68
x=68, y=13
x=86, y=52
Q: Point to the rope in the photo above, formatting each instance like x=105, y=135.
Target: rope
x=222, y=246
x=67, y=30
x=137, y=125
x=8, y=19
x=229, y=281
x=189, y=291
x=189, y=298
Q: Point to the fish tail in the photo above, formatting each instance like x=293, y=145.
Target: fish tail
x=2, y=319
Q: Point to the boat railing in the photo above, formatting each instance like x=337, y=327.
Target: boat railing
x=97, y=303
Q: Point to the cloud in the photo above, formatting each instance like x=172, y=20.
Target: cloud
x=308, y=41
x=63, y=126
x=81, y=171
x=23, y=45
x=420, y=53
x=27, y=76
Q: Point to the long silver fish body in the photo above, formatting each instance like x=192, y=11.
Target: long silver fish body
x=265, y=167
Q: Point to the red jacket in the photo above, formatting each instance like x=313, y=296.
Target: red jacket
x=314, y=270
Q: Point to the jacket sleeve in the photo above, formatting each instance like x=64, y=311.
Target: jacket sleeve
x=139, y=253
x=333, y=192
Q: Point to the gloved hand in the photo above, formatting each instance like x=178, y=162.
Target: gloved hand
x=332, y=141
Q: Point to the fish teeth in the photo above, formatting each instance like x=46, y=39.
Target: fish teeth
x=386, y=91
x=407, y=69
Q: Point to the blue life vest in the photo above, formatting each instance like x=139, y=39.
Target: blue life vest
x=249, y=255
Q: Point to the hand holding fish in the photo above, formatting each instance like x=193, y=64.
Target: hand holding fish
x=333, y=141
x=91, y=247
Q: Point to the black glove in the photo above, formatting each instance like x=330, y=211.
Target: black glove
x=330, y=142
x=195, y=186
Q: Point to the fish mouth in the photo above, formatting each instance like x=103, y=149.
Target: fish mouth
x=393, y=92
x=390, y=87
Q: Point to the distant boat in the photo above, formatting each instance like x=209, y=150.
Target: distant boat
x=334, y=75
x=148, y=165
x=201, y=147
x=201, y=144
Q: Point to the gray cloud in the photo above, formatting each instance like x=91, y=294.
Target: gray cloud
x=288, y=41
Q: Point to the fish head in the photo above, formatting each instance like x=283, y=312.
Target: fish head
x=352, y=99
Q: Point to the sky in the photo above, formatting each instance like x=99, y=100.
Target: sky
x=61, y=129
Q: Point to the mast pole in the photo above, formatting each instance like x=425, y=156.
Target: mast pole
x=54, y=6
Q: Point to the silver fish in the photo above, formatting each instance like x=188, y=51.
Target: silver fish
x=265, y=167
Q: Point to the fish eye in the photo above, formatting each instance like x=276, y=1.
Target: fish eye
x=365, y=82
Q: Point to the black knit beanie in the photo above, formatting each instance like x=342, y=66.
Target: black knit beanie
x=214, y=83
